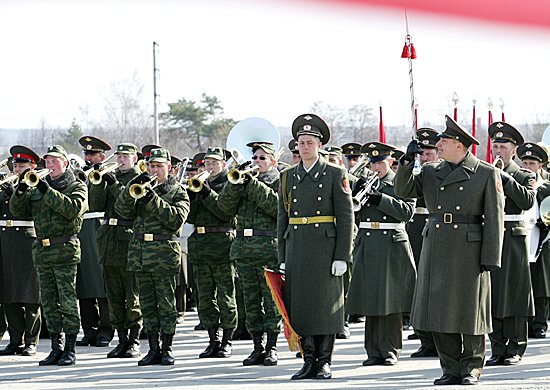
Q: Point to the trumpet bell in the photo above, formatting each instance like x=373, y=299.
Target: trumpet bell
x=32, y=178
x=96, y=176
x=196, y=183
x=138, y=191
x=237, y=177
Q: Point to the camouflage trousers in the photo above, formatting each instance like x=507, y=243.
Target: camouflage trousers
x=122, y=294
x=261, y=312
x=58, y=294
x=157, y=298
x=216, y=294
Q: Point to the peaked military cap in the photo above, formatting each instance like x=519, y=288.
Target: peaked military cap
x=159, y=155
x=454, y=131
x=377, y=151
x=23, y=154
x=175, y=160
x=267, y=147
x=216, y=153
x=198, y=159
x=293, y=146
x=126, y=148
x=503, y=132
x=93, y=144
x=531, y=150
x=146, y=150
x=310, y=124
x=334, y=150
x=427, y=137
x=397, y=154
x=56, y=151
x=351, y=149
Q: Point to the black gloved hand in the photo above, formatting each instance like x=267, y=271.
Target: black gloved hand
x=22, y=186
x=504, y=177
x=97, y=166
x=374, y=197
x=412, y=150
x=358, y=186
x=244, y=165
x=192, y=195
x=42, y=186
x=149, y=194
x=143, y=178
x=109, y=178
x=205, y=190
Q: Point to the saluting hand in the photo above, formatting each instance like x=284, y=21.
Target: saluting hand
x=412, y=150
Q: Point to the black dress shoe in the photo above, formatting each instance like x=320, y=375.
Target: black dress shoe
x=539, y=333
x=199, y=326
x=102, y=341
x=469, y=380
x=413, y=336
x=373, y=361
x=12, y=349
x=390, y=361
x=346, y=334
x=424, y=352
x=512, y=360
x=495, y=360
x=308, y=371
x=447, y=379
x=29, y=350
x=356, y=318
x=324, y=372
x=86, y=340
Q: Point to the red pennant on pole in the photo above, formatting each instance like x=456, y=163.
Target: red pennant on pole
x=474, y=147
x=489, y=155
x=455, y=114
x=416, y=118
x=382, y=131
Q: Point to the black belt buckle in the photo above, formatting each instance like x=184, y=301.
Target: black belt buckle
x=447, y=218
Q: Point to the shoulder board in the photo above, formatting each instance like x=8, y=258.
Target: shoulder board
x=482, y=162
x=334, y=165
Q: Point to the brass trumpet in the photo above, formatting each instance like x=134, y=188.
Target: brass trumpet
x=138, y=191
x=4, y=162
x=96, y=176
x=142, y=165
x=32, y=178
x=359, y=200
x=14, y=179
x=196, y=182
x=237, y=177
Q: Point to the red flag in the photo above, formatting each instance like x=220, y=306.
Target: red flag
x=503, y=120
x=382, y=132
x=455, y=114
x=489, y=155
x=474, y=147
x=416, y=118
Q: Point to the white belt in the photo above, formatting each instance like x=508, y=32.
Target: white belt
x=11, y=223
x=98, y=214
x=421, y=210
x=514, y=217
x=382, y=225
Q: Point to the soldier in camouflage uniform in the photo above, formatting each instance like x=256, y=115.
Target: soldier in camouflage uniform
x=254, y=202
x=113, y=238
x=209, y=252
x=154, y=252
x=56, y=205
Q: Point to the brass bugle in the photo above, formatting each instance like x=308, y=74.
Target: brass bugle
x=359, y=165
x=14, y=179
x=138, y=191
x=32, y=178
x=196, y=182
x=237, y=177
x=96, y=176
x=142, y=165
x=4, y=162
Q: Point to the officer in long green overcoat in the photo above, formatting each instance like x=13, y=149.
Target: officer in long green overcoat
x=382, y=284
x=462, y=242
x=511, y=290
x=315, y=229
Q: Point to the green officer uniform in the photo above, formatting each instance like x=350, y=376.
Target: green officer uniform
x=113, y=238
x=214, y=271
x=154, y=253
x=462, y=241
x=382, y=285
x=511, y=291
x=56, y=207
x=254, y=203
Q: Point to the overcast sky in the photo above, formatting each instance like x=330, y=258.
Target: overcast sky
x=271, y=59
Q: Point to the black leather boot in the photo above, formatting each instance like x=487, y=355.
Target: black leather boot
x=167, y=358
x=69, y=356
x=213, y=345
x=258, y=354
x=309, y=369
x=226, y=348
x=120, y=350
x=154, y=355
x=324, y=352
x=271, y=357
x=89, y=338
x=57, y=350
x=133, y=344
x=12, y=349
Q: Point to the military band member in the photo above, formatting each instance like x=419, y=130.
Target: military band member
x=511, y=290
x=315, y=227
x=293, y=147
x=113, y=238
x=209, y=247
x=381, y=285
x=90, y=286
x=154, y=251
x=396, y=155
x=254, y=202
x=19, y=290
x=352, y=152
x=533, y=157
x=56, y=204
x=462, y=242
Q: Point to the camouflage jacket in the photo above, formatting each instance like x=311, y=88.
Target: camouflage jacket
x=204, y=213
x=112, y=240
x=255, y=206
x=164, y=214
x=57, y=213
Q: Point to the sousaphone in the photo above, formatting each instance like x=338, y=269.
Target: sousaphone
x=252, y=130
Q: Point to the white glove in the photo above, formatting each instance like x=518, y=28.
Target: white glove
x=339, y=267
x=282, y=266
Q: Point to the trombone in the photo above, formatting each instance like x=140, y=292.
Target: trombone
x=4, y=162
x=96, y=176
x=359, y=200
x=14, y=179
x=138, y=191
x=196, y=183
x=32, y=178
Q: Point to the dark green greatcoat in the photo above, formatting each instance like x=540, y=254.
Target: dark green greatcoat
x=452, y=294
x=511, y=291
x=314, y=297
x=383, y=266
